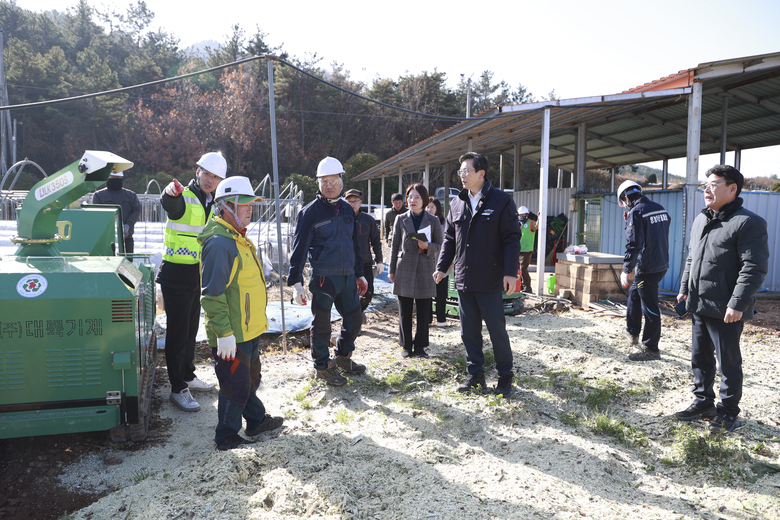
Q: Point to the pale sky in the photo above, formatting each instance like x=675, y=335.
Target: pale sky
x=577, y=48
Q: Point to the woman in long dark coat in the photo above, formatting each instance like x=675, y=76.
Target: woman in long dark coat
x=412, y=263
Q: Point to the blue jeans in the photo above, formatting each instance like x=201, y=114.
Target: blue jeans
x=327, y=291
x=643, y=301
x=473, y=308
x=713, y=338
x=239, y=379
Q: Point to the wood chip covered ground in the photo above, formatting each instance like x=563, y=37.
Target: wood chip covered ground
x=588, y=434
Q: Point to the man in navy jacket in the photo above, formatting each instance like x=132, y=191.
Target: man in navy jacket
x=646, y=261
x=482, y=240
x=326, y=233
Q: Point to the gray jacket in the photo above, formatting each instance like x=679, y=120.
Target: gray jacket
x=727, y=261
x=413, y=271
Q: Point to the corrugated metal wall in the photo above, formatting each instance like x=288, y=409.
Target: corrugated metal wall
x=765, y=204
x=557, y=203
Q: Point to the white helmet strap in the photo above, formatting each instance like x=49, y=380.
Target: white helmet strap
x=232, y=212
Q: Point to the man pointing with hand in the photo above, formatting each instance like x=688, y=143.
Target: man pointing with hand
x=187, y=209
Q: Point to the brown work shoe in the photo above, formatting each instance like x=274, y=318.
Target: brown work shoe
x=346, y=364
x=331, y=375
x=645, y=355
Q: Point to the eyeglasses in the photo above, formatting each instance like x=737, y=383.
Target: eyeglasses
x=465, y=172
x=335, y=182
x=354, y=202
x=712, y=185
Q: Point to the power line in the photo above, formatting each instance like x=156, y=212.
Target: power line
x=126, y=89
x=313, y=76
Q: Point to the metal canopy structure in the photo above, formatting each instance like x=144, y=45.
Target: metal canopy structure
x=729, y=105
x=740, y=100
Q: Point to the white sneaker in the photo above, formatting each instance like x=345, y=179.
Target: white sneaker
x=441, y=324
x=196, y=385
x=184, y=401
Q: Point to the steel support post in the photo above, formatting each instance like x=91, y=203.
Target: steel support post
x=272, y=112
x=692, y=163
x=724, y=125
x=544, y=169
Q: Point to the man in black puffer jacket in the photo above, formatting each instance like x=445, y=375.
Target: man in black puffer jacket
x=727, y=261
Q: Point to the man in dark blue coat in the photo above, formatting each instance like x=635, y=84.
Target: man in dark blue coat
x=482, y=240
x=728, y=258
x=646, y=261
x=326, y=235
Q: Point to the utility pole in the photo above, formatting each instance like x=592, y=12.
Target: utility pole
x=468, y=96
x=3, y=114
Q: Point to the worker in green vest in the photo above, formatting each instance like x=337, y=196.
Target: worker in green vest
x=187, y=209
x=529, y=223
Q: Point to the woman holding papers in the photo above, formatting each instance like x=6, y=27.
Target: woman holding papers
x=417, y=238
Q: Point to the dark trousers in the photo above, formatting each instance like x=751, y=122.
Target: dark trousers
x=643, y=301
x=368, y=273
x=405, y=311
x=129, y=245
x=525, y=261
x=441, y=299
x=712, y=338
x=327, y=291
x=239, y=380
x=182, y=310
x=475, y=307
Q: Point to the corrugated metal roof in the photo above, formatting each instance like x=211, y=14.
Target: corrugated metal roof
x=642, y=124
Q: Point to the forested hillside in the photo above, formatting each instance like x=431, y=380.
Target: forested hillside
x=163, y=129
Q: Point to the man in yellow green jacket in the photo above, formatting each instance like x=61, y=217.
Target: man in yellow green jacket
x=233, y=298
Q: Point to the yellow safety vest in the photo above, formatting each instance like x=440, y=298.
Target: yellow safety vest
x=181, y=236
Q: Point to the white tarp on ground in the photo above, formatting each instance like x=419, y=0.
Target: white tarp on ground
x=296, y=317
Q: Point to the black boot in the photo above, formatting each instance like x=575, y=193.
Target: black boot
x=474, y=382
x=504, y=385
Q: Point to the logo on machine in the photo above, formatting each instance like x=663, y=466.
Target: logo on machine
x=32, y=285
x=61, y=182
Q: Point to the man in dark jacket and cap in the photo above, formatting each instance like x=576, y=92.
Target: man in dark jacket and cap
x=368, y=239
x=482, y=240
x=728, y=257
x=398, y=209
x=115, y=194
x=646, y=261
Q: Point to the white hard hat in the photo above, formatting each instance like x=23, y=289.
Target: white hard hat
x=214, y=163
x=236, y=186
x=329, y=166
x=626, y=186
x=522, y=210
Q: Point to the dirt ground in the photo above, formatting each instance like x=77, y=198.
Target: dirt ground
x=399, y=443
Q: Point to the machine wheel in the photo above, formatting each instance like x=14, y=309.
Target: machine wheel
x=139, y=431
x=517, y=306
